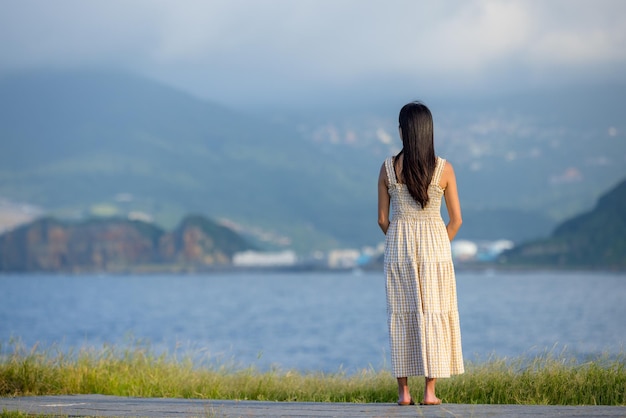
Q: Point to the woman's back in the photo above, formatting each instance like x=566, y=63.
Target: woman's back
x=403, y=204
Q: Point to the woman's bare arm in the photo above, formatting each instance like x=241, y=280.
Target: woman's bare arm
x=383, y=200
x=453, y=205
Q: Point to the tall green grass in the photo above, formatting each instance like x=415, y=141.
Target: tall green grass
x=18, y=414
x=547, y=379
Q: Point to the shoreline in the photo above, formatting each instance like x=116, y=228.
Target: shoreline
x=191, y=269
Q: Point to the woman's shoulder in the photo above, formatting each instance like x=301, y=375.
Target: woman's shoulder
x=447, y=165
x=388, y=162
x=447, y=172
x=382, y=175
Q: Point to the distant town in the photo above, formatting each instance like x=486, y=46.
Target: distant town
x=463, y=251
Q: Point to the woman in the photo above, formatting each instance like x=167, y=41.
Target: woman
x=423, y=318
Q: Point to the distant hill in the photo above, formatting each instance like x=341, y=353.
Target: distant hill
x=77, y=141
x=79, y=144
x=596, y=239
x=114, y=245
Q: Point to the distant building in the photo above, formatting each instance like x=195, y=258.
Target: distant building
x=140, y=216
x=489, y=251
x=464, y=250
x=347, y=258
x=265, y=259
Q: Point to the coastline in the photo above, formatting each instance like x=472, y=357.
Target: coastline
x=460, y=267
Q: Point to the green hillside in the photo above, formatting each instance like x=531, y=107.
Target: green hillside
x=596, y=239
x=75, y=140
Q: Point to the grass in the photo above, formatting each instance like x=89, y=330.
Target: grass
x=546, y=379
x=19, y=414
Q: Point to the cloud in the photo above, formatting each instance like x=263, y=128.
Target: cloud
x=240, y=47
x=73, y=32
x=479, y=34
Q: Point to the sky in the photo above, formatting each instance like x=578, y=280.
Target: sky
x=287, y=52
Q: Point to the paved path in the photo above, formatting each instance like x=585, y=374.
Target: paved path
x=114, y=406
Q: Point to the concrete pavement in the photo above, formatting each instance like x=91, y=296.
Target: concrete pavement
x=114, y=406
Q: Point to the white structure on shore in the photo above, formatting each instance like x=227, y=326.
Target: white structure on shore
x=345, y=258
x=464, y=250
x=265, y=259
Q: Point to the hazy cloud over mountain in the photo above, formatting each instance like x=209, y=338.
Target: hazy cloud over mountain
x=283, y=51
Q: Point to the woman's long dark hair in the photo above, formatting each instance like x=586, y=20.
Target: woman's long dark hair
x=416, y=125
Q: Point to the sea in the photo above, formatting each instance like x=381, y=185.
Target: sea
x=305, y=321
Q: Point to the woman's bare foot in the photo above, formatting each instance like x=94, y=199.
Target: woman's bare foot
x=429, y=393
x=431, y=401
x=404, y=396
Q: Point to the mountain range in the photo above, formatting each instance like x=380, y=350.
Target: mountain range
x=79, y=144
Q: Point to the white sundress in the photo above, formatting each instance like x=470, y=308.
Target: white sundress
x=423, y=316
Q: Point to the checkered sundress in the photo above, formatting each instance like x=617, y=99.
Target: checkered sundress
x=423, y=318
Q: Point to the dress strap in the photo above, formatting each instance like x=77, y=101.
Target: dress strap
x=438, y=170
x=391, y=172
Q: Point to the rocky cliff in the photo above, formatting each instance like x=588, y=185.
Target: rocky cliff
x=111, y=245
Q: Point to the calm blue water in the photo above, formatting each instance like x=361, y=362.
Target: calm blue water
x=306, y=321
